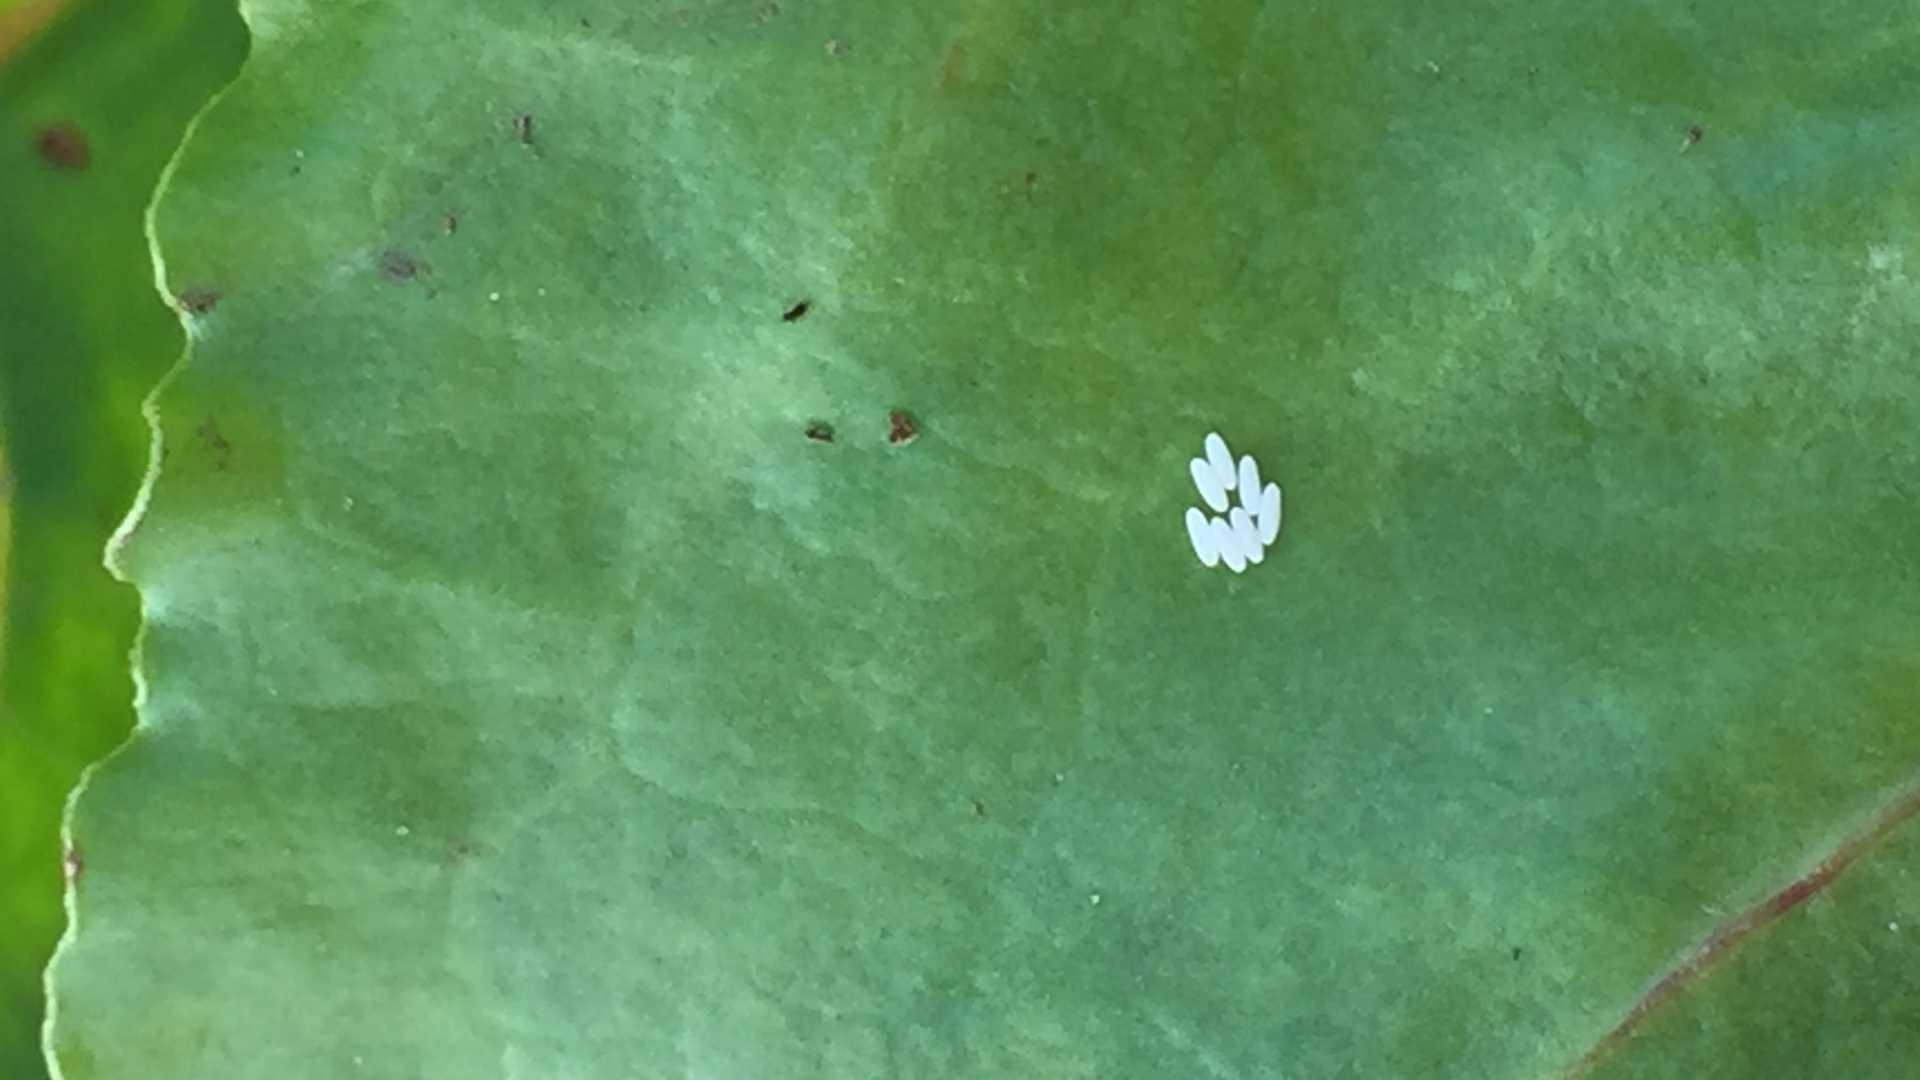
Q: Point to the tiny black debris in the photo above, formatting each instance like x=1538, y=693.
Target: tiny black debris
x=819, y=431
x=523, y=128
x=1694, y=135
x=797, y=311
x=1516, y=952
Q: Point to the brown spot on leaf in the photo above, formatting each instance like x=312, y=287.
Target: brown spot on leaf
x=901, y=429
x=62, y=146
x=836, y=47
x=1694, y=135
x=397, y=265
x=198, y=301
x=72, y=865
x=450, y=223
x=797, y=311
x=523, y=128
x=979, y=808
x=820, y=431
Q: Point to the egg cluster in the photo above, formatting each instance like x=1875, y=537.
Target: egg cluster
x=1240, y=529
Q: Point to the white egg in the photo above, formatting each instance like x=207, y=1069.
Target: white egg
x=1269, y=513
x=1231, y=552
x=1204, y=544
x=1246, y=535
x=1222, y=461
x=1208, y=482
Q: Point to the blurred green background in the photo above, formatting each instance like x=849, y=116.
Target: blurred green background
x=93, y=100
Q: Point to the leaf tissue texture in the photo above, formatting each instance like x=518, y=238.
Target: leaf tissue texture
x=528, y=695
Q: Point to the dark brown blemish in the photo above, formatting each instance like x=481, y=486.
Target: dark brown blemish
x=836, y=47
x=1516, y=952
x=901, y=429
x=523, y=128
x=71, y=865
x=1694, y=135
x=797, y=311
x=979, y=808
x=198, y=301
x=450, y=223
x=62, y=146
x=398, y=266
x=820, y=431
x=217, y=443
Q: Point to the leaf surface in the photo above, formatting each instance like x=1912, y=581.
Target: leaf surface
x=528, y=696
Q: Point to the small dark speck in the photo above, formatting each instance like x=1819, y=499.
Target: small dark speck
x=217, y=444
x=450, y=223
x=797, y=311
x=523, y=128
x=979, y=808
x=63, y=147
x=198, y=301
x=1516, y=952
x=819, y=431
x=901, y=429
x=1694, y=135
x=398, y=265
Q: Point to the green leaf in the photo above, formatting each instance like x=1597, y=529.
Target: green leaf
x=527, y=695
x=89, y=112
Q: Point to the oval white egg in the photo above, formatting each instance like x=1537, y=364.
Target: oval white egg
x=1231, y=552
x=1221, y=459
x=1269, y=514
x=1205, y=547
x=1246, y=534
x=1208, y=482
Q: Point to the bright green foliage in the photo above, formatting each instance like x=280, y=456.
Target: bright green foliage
x=82, y=338
x=528, y=698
